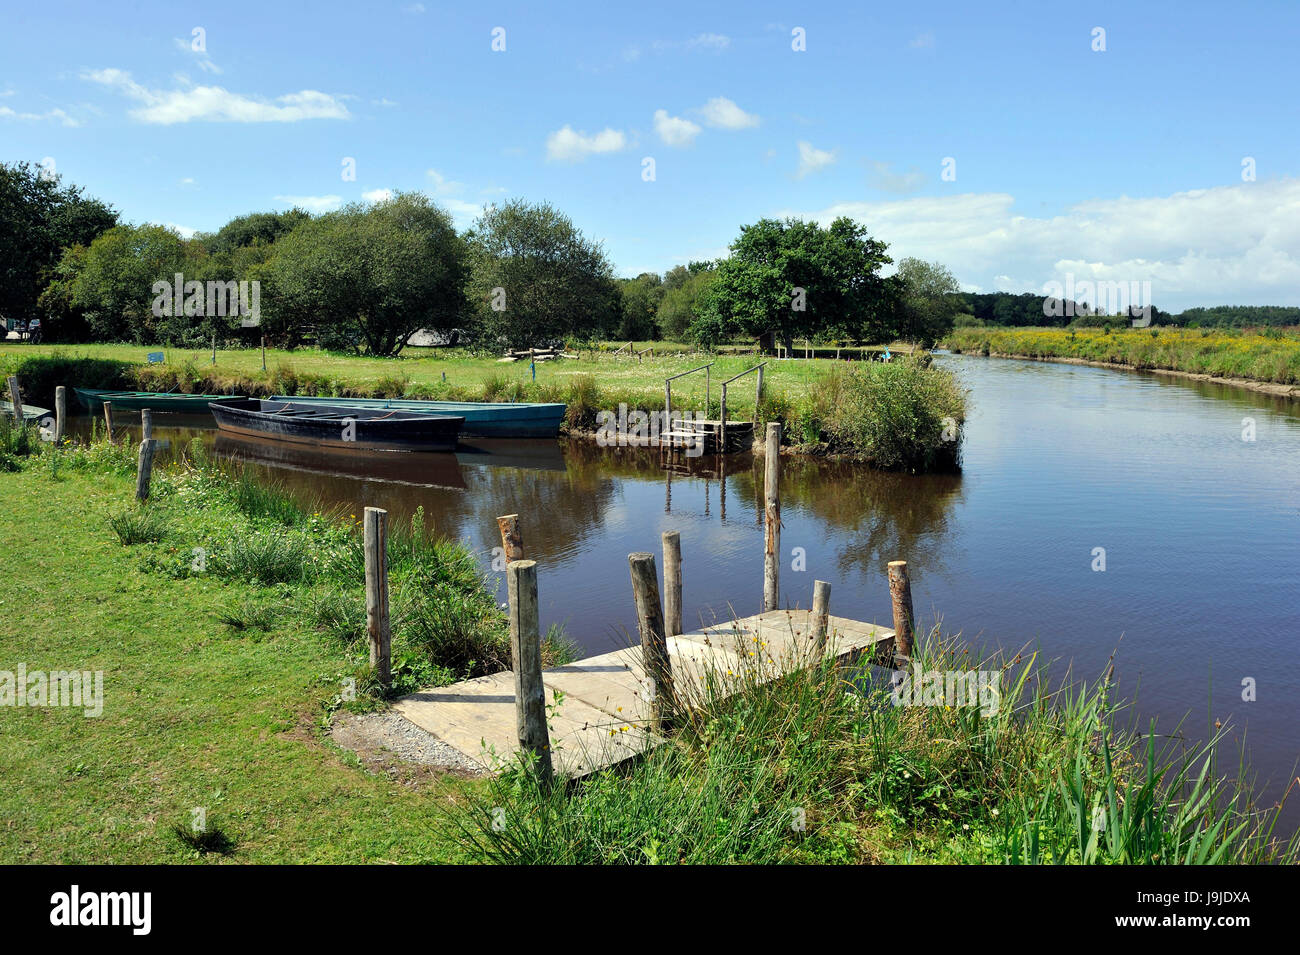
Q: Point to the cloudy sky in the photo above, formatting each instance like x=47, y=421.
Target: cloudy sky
x=1127, y=142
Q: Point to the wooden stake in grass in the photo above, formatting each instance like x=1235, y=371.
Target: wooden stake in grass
x=526, y=661
x=654, y=642
x=146, y=424
x=900, y=595
x=672, y=583
x=375, y=530
x=820, y=613
x=772, y=519
x=15, y=396
x=144, y=469
x=108, y=421
x=512, y=539
x=60, y=413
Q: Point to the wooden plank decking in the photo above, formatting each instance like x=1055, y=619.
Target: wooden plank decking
x=603, y=706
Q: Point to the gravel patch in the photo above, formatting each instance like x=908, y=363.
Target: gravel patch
x=387, y=738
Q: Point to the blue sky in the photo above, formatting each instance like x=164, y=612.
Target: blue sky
x=1122, y=164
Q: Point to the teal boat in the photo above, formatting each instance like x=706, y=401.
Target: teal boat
x=94, y=400
x=483, y=419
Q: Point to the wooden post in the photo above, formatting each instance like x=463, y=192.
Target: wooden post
x=60, y=413
x=16, y=397
x=375, y=532
x=820, y=612
x=512, y=540
x=668, y=404
x=772, y=518
x=264, y=353
x=722, y=422
x=672, y=583
x=108, y=421
x=146, y=424
x=526, y=661
x=758, y=394
x=144, y=469
x=900, y=595
x=654, y=642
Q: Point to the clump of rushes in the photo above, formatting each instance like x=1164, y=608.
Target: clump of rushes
x=822, y=766
x=138, y=525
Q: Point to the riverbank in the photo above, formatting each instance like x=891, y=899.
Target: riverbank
x=219, y=686
x=904, y=415
x=1265, y=363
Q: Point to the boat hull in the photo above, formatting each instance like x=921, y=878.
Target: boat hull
x=32, y=414
x=483, y=419
x=93, y=400
x=343, y=428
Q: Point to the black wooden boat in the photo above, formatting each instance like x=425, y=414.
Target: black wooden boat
x=373, y=429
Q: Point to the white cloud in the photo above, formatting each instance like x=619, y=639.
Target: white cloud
x=882, y=176
x=709, y=41
x=215, y=104
x=442, y=186
x=377, y=195
x=812, y=159
x=674, y=130
x=413, y=8
x=1236, y=244
x=56, y=115
x=187, y=181
x=922, y=41
x=313, y=203
x=722, y=113
x=383, y=101
x=184, y=231
x=569, y=145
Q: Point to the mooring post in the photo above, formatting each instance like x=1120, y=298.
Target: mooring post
x=526, y=661
x=512, y=539
x=60, y=413
x=758, y=394
x=144, y=469
x=820, y=613
x=146, y=424
x=900, y=595
x=108, y=421
x=375, y=535
x=654, y=642
x=772, y=519
x=672, y=583
x=263, y=353
x=15, y=396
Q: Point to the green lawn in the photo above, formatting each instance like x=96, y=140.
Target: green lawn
x=195, y=715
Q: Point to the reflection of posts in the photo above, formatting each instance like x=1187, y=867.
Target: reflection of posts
x=526, y=661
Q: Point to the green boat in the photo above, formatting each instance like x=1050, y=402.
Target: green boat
x=483, y=419
x=93, y=400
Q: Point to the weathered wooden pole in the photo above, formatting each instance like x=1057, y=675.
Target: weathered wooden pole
x=654, y=642
x=214, y=348
x=512, y=539
x=60, y=413
x=820, y=613
x=758, y=394
x=15, y=396
x=900, y=595
x=375, y=534
x=672, y=583
x=144, y=469
x=108, y=421
x=526, y=661
x=264, y=357
x=772, y=519
x=146, y=424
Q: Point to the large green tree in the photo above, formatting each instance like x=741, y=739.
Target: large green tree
x=794, y=279
x=639, y=299
x=686, y=290
x=929, y=301
x=369, y=276
x=39, y=218
x=537, y=278
x=112, y=281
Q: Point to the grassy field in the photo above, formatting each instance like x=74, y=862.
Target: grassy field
x=1222, y=353
x=219, y=683
x=899, y=415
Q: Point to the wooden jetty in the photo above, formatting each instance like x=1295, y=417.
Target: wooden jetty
x=594, y=713
x=604, y=714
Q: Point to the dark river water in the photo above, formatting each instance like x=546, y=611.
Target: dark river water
x=1200, y=530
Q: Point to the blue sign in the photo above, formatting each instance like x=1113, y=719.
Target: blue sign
x=155, y=357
